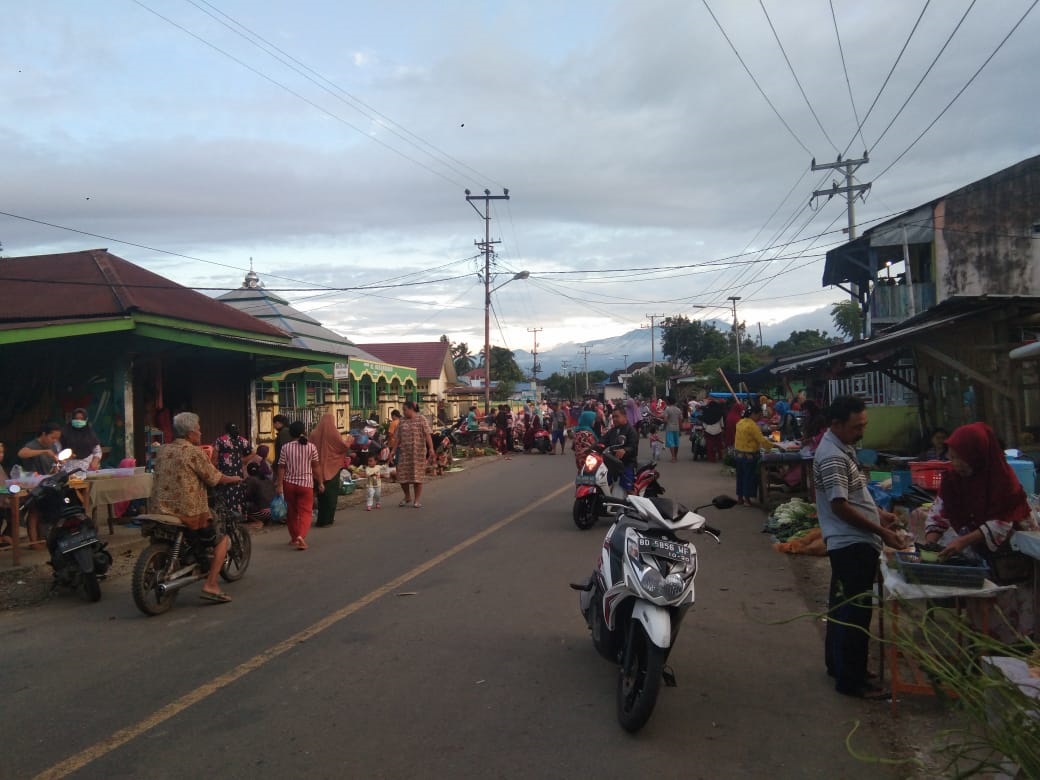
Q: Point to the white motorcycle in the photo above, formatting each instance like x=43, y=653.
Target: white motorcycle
x=637, y=595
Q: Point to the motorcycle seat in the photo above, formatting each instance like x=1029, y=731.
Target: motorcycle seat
x=156, y=518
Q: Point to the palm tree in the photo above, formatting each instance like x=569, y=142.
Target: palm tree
x=461, y=357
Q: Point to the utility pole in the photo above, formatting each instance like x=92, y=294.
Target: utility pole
x=585, y=348
x=486, y=246
x=534, y=362
x=653, y=357
x=736, y=328
x=566, y=366
x=850, y=191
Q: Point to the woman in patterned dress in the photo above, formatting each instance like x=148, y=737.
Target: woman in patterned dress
x=415, y=448
x=229, y=452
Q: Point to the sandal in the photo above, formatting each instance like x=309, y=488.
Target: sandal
x=405, y=503
x=216, y=598
x=300, y=544
x=417, y=506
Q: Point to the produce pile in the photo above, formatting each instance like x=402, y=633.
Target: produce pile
x=792, y=519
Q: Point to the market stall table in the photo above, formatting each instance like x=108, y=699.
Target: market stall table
x=471, y=439
x=1028, y=543
x=896, y=589
x=106, y=490
x=772, y=466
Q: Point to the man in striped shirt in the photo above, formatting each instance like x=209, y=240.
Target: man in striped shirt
x=854, y=528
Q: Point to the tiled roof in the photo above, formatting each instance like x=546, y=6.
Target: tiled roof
x=95, y=284
x=427, y=356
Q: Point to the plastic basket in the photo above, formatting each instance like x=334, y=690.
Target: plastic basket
x=929, y=473
x=914, y=571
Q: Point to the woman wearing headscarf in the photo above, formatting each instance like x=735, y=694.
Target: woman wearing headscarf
x=584, y=437
x=331, y=449
x=79, y=436
x=229, y=454
x=633, y=413
x=980, y=504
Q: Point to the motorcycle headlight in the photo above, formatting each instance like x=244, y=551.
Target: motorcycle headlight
x=652, y=581
x=591, y=462
x=672, y=586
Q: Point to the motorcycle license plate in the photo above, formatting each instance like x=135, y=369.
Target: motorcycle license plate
x=76, y=540
x=673, y=551
x=585, y=479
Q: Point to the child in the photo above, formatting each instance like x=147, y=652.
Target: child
x=373, y=482
x=655, y=443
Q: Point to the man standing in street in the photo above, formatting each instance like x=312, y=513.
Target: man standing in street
x=559, y=426
x=672, y=418
x=854, y=528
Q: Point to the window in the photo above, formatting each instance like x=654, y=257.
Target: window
x=316, y=390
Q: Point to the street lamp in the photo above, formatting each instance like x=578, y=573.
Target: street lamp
x=487, y=331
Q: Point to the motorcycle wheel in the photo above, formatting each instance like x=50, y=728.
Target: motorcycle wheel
x=147, y=572
x=639, y=684
x=240, y=549
x=543, y=445
x=585, y=514
x=91, y=587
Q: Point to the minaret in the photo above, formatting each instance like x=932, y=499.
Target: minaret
x=252, y=280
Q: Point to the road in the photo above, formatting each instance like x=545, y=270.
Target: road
x=442, y=642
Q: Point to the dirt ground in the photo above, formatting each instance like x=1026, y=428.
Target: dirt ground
x=913, y=734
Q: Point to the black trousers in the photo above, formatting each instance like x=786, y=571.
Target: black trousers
x=853, y=573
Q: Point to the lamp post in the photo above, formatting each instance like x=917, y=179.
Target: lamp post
x=487, y=331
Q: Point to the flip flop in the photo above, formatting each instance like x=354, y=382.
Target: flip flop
x=405, y=503
x=216, y=598
x=417, y=506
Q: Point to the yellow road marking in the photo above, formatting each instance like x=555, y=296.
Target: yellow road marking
x=94, y=752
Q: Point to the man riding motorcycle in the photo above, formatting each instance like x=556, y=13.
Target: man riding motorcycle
x=182, y=474
x=622, y=441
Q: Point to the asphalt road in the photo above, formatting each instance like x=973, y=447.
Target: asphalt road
x=442, y=642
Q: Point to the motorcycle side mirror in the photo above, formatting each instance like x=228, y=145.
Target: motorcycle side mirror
x=723, y=502
x=14, y=489
x=65, y=454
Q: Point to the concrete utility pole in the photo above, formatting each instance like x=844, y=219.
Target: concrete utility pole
x=486, y=246
x=736, y=328
x=585, y=348
x=534, y=362
x=850, y=191
x=653, y=358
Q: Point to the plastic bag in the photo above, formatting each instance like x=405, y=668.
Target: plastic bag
x=279, y=509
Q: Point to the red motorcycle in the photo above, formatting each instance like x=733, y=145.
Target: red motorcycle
x=599, y=476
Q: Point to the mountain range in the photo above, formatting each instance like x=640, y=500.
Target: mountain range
x=610, y=354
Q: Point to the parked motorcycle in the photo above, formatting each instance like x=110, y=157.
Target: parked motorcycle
x=177, y=557
x=650, y=420
x=637, y=595
x=79, y=559
x=599, y=479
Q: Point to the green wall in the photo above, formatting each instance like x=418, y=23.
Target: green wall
x=891, y=428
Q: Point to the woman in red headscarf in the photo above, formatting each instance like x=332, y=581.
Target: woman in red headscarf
x=980, y=504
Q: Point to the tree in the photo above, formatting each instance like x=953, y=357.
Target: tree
x=463, y=360
x=801, y=341
x=691, y=341
x=559, y=385
x=848, y=319
x=641, y=385
x=504, y=367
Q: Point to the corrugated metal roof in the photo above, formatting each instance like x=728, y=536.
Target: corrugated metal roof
x=95, y=284
x=305, y=331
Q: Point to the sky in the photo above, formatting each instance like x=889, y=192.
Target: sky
x=330, y=143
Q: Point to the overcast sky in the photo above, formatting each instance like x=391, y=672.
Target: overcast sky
x=628, y=133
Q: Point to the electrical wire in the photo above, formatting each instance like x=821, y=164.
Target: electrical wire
x=845, y=70
x=454, y=182
x=960, y=91
x=344, y=96
x=797, y=81
x=754, y=80
x=927, y=71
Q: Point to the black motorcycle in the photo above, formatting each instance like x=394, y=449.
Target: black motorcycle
x=79, y=559
x=179, y=556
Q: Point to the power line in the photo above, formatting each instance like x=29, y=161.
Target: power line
x=927, y=71
x=960, y=91
x=345, y=97
x=454, y=182
x=845, y=70
x=797, y=81
x=754, y=80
